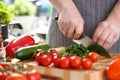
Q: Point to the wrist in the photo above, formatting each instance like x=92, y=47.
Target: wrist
x=113, y=17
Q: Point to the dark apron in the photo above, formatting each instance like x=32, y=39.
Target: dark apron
x=93, y=12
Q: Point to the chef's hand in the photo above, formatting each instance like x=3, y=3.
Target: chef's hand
x=70, y=22
x=106, y=34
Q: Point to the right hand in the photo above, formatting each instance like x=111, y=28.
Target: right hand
x=70, y=22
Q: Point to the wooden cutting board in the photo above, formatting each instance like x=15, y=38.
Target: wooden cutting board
x=96, y=73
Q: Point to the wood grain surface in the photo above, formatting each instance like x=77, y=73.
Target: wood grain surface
x=96, y=73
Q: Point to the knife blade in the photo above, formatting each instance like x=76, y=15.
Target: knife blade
x=92, y=45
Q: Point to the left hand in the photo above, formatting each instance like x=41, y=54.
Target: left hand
x=106, y=34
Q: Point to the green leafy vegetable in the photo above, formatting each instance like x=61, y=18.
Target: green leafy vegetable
x=6, y=13
x=77, y=49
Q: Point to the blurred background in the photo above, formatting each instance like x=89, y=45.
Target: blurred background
x=31, y=17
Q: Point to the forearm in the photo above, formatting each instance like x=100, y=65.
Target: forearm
x=62, y=4
x=114, y=16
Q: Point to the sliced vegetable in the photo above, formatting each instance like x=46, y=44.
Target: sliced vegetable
x=25, y=53
x=77, y=49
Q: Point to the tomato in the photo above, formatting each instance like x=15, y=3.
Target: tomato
x=38, y=58
x=65, y=62
x=16, y=76
x=93, y=56
x=46, y=59
x=21, y=41
x=113, y=70
x=53, y=53
x=56, y=61
x=3, y=76
x=86, y=63
x=75, y=62
x=4, y=64
x=33, y=75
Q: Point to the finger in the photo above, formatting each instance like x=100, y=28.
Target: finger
x=109, y=41
x=78, y=32
x=70, y=32
x=66, y=28
x=99, y=30
x=63, y=26
x=101, y=39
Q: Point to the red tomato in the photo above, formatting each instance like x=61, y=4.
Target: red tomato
x=75, y=62
x=86, y=63
x=65, y=62
x=4, y=64
x=38, y=59
x=21, y=41
x=53, y=53
x=33, y=75
x=39, y=51
x=93, y=56
x=46, y=59
x=3, y=76
x=16, y=76
x=113, y=70
x=56, y=61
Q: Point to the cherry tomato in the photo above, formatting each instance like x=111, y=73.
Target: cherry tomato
x=39, y=51
x=46, y=59
x=3, y=76
x=86, y=63
x=113, y=70
x=75, y=62
x=65, y=62
x=53, y=53
x=33, y=75
x=16, y=76
x=6, y=65
x=56, y=61
x=38, y=58
x=93, y=56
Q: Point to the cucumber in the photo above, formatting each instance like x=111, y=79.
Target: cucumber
x=26, y=53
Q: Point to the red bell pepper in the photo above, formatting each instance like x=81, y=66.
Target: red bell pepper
x=21, y=41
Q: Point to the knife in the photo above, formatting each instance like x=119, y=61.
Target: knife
x=92, y=46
